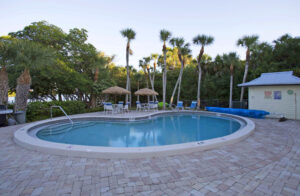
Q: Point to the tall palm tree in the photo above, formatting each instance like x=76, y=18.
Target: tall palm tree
x=153, y=57
x=138, y=77
x=231, y=59
x=144, y=64
x=183, y=50
x=248, y=42
x=202, y=40
x=164, y=37
x=130, y=35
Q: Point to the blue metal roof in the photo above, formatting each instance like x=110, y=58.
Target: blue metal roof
x=273, y=79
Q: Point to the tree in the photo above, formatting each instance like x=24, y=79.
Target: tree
x=144, y=64
x=248, y=42
x=202, y=40
x=154, y=57
x=183, y=50
x=27, y=55
x=130, y=35
x=4, y=60
x=138, y=77
x=164, y=37
x=231, y=59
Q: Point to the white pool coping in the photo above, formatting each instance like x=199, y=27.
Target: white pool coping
x=23, y=138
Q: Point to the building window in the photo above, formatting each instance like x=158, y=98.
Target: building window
x=268, y=94
x=277, y=94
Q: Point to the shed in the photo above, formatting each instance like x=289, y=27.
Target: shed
x=277, y=93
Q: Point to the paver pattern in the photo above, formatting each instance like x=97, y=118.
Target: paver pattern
x=265, y=163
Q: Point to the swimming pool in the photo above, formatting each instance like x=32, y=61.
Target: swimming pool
x=134, y=135
x=157, y=131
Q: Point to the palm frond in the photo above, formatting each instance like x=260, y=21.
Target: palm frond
x=128, y=33
x=165, y=35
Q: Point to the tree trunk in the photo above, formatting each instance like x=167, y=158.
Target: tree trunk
x=245, y=73
x=199, y=85
x=152, y=85
x=138, y=88
x=127, y=68
x=230, y=94
x=199, y=77
x=3, y=86
x=164, y=76
x=22, y=91
x=178, y=81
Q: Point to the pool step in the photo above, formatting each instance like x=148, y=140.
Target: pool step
x=63, y=129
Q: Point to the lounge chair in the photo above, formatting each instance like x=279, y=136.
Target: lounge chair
x=153, y=105
x=193, y=106
x=179, y=105
x=125, y=108
x=108, y=107
x=139, y=106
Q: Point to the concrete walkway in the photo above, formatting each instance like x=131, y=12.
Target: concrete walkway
x=266, y=163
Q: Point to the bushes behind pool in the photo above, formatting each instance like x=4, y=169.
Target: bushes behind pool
x=41, y=110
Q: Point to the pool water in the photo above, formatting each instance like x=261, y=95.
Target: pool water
x=157, y=131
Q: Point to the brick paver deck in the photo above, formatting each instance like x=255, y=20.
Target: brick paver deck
x=266, y=163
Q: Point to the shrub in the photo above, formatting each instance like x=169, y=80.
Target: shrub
x=161, y=104
x=41, y=110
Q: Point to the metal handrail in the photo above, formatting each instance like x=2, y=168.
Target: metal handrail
x=56, y=106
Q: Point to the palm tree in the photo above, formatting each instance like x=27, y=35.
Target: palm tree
x=183, y=50
x=153, y=57
x=248, y=42
x=27, y=55
x=202, y=40
x=4, y=60
x=231, y=59
x=144, y=64
x=164, y=37
x=138, y=77
x=130, y=35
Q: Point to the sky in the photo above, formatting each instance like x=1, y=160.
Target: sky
x=226, y=21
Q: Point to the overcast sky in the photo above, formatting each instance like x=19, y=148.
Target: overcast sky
x=226, y=21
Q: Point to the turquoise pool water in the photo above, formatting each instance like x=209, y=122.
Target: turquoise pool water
x=157, y=131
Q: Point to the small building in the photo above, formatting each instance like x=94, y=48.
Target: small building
x=277, y=93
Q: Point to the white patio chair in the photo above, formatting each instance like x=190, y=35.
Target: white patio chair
x=139, y=106
x=108, y=107
x=125, y=108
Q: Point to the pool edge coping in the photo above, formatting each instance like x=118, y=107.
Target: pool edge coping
x=24, y=139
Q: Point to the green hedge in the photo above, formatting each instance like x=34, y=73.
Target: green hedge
x=41, y=110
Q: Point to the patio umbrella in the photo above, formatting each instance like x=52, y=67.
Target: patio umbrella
x=146, y=91
x=115, y=90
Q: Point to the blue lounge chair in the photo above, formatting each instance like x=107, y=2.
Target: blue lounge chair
x=193, y=106
x=179, y=105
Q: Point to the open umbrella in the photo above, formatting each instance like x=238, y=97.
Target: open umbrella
x=115, y=90
x=146, y=91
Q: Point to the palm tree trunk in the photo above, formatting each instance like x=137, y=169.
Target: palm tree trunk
x=244, y=80
x=245, y=73
x=138, y=88
x=230, y=94
x=22, y=91
x=177, y=82
x=152, y=85
x=199, y=77
x=164, y=78
x=127, y=68
x=3, y=86
x=199, y=85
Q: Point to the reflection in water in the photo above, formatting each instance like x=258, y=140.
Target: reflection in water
x=164, y=130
